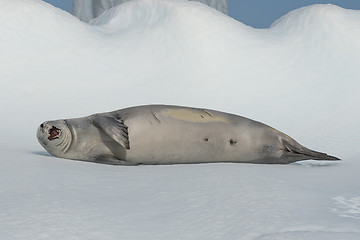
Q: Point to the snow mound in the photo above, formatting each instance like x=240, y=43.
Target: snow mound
x=300, y=76
x=179, y=52
x=329, y=24
x=90, y=9
x=172, y=16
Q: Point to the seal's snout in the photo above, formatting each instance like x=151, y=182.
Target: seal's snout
x=49, y=131
x=42, y=129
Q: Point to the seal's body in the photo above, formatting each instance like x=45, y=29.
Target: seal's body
x=160, y=134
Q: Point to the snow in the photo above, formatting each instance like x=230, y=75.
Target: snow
x=299, y=76
x=90, y=9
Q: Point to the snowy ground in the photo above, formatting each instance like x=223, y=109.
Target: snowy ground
x=300, y=76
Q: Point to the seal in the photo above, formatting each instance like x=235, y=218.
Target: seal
x=162, y=134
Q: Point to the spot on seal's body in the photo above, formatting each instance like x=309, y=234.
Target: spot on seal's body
x=232, y=142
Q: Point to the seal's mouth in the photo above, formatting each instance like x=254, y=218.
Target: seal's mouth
x=54, y=133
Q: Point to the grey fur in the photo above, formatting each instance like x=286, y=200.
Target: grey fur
x=161, y=134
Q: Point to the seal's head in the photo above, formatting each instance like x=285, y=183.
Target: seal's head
x=55, y=137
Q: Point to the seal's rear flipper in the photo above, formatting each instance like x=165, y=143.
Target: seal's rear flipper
x=296, y=152
x=114, y=128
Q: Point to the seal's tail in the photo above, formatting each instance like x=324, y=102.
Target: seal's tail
x=298, y=152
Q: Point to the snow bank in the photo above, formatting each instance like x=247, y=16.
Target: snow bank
x=301, y=79
x=90, y=9
x=300, y=76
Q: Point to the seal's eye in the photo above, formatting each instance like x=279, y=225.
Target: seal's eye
x=54, y=133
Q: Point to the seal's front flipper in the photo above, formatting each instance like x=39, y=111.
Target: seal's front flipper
x=108, y=159
x=113, y=127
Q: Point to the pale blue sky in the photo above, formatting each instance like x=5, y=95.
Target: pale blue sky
x=256, y=13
